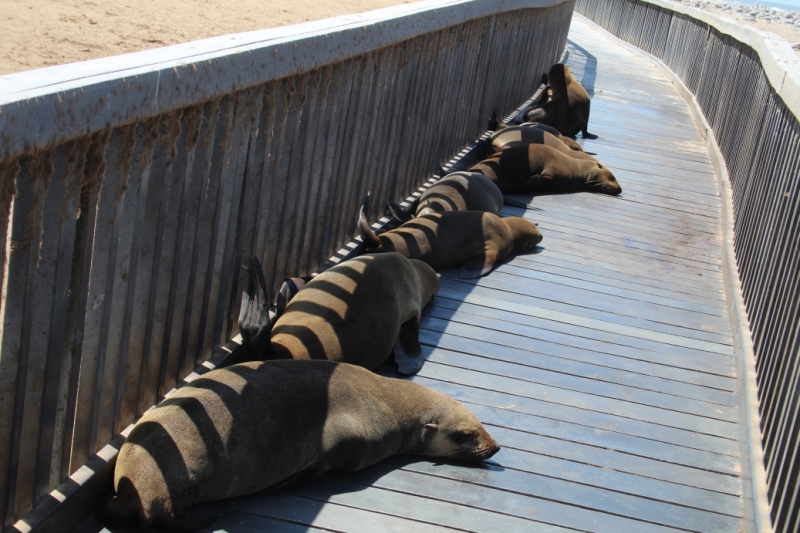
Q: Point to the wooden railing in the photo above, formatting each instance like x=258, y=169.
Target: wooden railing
x=747, y=86
x=132, y=187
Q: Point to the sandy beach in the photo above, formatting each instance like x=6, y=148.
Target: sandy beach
x=40, y=33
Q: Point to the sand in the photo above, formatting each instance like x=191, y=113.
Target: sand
x=40, y=33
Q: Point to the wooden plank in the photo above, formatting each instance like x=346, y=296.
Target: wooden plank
x=564, y=323
x=330, y=516
x=626, y=325
x=375, y=498
x=479, y=342
x=682, y=438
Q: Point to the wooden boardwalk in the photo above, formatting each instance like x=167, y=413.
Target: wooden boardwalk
x=602, y=363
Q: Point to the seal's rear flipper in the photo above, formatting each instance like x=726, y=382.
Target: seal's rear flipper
x=586, y=135
x=290, y=287
x=478, y=266
x=438, y=170
x=371, y=240
x=407, y=351
x=513, y=202
x=493, y=121
x=397, y=211
x=254, y=322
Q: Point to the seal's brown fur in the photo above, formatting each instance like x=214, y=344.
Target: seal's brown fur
x=540, y=168
x=524, y=135
x=356, y=311
x=474, y=240
x=244, y=428
x=568, y=109
x=459, y=191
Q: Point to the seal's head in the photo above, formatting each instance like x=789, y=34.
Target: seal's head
x=452, y=431
x=524, y=234
x=601, y=180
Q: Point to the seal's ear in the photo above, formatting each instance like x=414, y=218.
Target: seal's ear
x=478, y=266
x=407, y=351
x=254, y=322
x=397, y=211
x=371, y=240
x=429, y=428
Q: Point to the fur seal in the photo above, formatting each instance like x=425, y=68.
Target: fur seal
x=568, y=109
x=354, y=312
x=459, y=191
x=540, y=168
x=473, y=240
x=496, y=125
x=247, y=427
x=524, y=135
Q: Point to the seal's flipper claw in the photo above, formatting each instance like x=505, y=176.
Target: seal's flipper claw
x=478, y=266
x=254, y=321
x=397, y=211
x=407, y=350
x=513, y=202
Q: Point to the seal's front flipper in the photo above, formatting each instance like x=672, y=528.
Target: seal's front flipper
x=478, y=266
x=407, y=351
x=254, y=322
x=586, y=135
x=534, y=183
x=513, y=202
x=290, y=287
x=397, y=211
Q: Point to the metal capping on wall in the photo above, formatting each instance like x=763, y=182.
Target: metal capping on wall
x=121, y=272
x=759, y=136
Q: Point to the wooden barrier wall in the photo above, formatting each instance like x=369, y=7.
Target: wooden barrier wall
x=131, y=188
x=752, y=103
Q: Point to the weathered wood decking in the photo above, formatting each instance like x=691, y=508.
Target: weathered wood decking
x=602, y=364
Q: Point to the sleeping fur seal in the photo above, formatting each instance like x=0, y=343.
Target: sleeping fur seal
x=540, y=168
x=473, y=240
x=354, y=312
x=568, y=110
x=244, y=428
x=496, y=125
x=523, y=135
x=459, y=191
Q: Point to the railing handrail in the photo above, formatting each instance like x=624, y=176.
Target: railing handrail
x=780, y=62
x=82, y=98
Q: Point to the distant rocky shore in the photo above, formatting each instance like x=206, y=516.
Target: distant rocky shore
x=783, y=23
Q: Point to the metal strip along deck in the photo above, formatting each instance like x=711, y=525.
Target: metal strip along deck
x=603, y=363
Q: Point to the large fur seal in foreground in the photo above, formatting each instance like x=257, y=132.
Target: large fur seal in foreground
x=568, y=109
x=524, y=135
x=459, y=191
x=355, y=312
x=473, y=240
x=540, y=168
x=244, y=428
